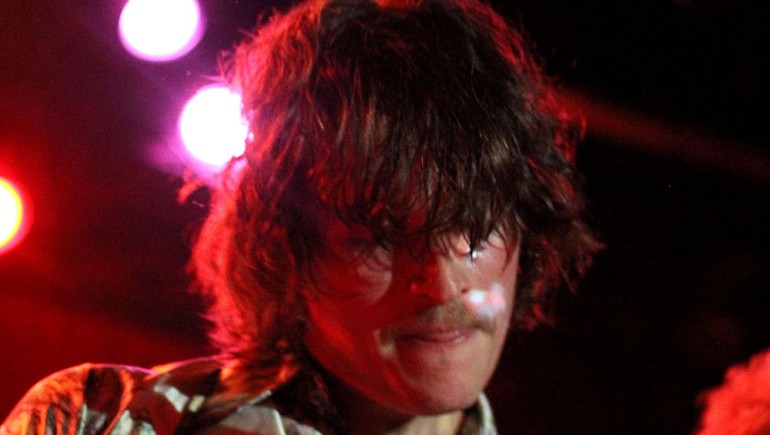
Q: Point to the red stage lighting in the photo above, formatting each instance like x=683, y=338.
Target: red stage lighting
x=15, y=215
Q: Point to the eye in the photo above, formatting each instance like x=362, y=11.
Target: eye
x=460, y=245
x=367, y=251
x=474, y=252
x=365, y=244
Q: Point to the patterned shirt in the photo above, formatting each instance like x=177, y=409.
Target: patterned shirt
x=182, y=398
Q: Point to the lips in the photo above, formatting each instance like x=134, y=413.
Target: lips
x=439, y=335
x=441, y=327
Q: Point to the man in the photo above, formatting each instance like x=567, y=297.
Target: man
x=406, y=193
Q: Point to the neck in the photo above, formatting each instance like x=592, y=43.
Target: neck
x=442, y=424
x=363, y=416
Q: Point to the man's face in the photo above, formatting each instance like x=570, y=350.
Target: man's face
x=415, y=330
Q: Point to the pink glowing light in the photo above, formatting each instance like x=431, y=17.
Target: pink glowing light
x=160, y=30
x=211, y=125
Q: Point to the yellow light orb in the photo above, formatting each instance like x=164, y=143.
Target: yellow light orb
x=13, y=219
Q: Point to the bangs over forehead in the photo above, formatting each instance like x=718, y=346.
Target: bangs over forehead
x=412, y=126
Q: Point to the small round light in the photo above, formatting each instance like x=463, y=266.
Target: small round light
x=160, y=30
x=211, y=125
x=14, y=216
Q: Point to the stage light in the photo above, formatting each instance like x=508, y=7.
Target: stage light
x=211, y=125
x=14, y=216
x=160, y=30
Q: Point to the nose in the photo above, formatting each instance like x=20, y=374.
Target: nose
x=435, y=277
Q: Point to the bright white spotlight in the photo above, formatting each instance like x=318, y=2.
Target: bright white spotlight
x=160, y=30
x=14, y=216
x=211, y=125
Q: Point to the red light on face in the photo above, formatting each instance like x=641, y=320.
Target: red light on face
x=14, y=216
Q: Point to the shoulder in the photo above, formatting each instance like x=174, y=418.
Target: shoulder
x=74, y=396
x=185, y=397
x=96, y=397
x=479, y=418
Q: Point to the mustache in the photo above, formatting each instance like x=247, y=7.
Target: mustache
x=455, y=314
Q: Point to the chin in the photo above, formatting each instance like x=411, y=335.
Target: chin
x=443, y=398
x=444, y=406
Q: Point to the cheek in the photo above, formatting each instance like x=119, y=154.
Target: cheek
x=489, y=303
x=491, y=296
x=345, y=335
x=323, y=322
x=343, y=280
x=333, y=327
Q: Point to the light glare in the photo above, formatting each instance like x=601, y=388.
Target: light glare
x=211, y=125
x=13, y=221
x=160, y=30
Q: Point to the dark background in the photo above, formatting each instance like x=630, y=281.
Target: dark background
x=675, y=156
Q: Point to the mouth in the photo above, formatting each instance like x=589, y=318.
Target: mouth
x=438, y=336
x=441, y=328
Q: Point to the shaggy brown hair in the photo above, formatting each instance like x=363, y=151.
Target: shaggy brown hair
x=370, y=110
